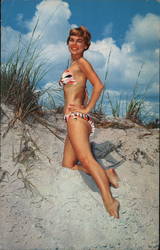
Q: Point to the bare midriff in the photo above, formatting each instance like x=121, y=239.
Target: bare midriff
x=73, y=96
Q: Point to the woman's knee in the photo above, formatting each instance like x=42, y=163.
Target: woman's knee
x=67, y=164
x=85, y=160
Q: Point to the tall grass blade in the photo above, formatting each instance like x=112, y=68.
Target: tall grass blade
x=100, y=109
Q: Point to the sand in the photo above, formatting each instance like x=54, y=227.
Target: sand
x=45, y=206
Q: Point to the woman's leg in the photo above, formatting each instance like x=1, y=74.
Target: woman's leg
x=70, y=161
x=78, y=132
x=69, y=156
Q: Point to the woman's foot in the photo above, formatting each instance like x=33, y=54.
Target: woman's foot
x=80, y=167
x=113, y=177
x=113, y=209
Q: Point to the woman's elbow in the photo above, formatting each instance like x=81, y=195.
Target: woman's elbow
x=101, y=87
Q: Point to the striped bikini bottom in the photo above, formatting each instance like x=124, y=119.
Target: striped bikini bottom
x=86, y=117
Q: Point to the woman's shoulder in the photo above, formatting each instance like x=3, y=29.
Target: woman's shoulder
x=84, y=63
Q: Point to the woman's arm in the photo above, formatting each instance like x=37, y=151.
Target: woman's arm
x=91, y=75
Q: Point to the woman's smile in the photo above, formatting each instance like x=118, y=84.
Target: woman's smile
x=74, y=48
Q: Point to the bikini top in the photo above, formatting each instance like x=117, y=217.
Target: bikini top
x=67, y=78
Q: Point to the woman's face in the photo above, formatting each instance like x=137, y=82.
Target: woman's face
x=76, y=45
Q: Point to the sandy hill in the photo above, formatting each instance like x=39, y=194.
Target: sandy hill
x=45, y=206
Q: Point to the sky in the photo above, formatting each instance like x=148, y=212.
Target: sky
x=128, y=30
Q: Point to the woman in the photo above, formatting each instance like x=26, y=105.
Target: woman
x=79, y=123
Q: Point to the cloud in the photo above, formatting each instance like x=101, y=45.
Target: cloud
x=135, y=61
x=52, y=29
x=9, y=41
x=52, y=17
x=125, y=62
x=144, y=32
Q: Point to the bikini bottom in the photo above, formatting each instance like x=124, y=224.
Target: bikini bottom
x=87, y=117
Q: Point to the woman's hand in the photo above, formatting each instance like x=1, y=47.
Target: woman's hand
x=77, y=108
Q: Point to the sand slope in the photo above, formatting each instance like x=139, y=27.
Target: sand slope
x=62, y=209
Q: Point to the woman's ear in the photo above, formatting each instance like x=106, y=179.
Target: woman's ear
x=86, y=47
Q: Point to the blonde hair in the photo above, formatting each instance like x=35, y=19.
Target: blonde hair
x=83, y=32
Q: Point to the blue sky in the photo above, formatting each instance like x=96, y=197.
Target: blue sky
x=129, y=28
x=94, y=14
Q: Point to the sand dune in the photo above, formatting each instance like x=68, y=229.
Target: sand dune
x=45, y=206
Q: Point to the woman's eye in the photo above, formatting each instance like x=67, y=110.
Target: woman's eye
x=80, y=41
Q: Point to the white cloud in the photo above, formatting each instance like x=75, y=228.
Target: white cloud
x=53, y=21
x=52, y=30
x=125, y=62
x=9, y=41
x=144, y=32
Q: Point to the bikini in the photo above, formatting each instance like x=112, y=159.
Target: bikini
x=67, y=79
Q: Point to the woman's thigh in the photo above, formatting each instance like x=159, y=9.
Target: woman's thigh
x=78, y=132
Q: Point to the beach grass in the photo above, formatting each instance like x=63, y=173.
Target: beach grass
x=20, y=76
x=135, y=105
x=20, y=90
x=99, y=108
